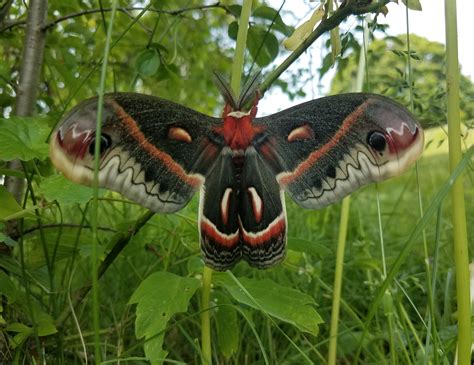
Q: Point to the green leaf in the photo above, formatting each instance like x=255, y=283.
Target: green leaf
x=412, y=4
x=326, y=65
x=58, y=188
x=23, y=138
x=7, y=240
x=262, y=45
x=302, y=245
x=9, y=205
x=7, y=288
x=235, y=10
x=304, y=30
x=228, y=331
x=233, y=30
x=148, y=62
x=268, y=13
x=286, y=304
x=335, y=44
x=158, y=298
x=167, y=72
x=22, y=333
x=18, y=327
x=44, y=322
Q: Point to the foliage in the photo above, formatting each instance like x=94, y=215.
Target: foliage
x=388, y=76
x=154, y=311
x=147, y=292
x=23, y=138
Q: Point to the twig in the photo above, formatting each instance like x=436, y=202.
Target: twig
x=121, y=9
x=119, y=241
x=351, y=7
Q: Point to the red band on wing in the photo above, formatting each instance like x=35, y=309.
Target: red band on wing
x=132, y=127
x=274, y=229
x=287, y=178
x=208, y=229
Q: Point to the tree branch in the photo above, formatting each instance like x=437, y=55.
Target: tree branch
x=4, y=9
x=350, y=7
x=125, y=10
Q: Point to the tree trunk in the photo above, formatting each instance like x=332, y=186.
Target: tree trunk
x=29, y=78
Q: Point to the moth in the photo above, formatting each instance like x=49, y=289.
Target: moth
x=159, y=154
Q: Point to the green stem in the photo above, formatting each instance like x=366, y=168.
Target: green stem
x=461, y=253
x=240, y=47
x=336, y=297
x=206, y=345
x=344, y=222
x=95, y=200
x=431, y=334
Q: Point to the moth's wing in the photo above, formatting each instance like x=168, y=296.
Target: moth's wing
x=324, y=149
x=262, y=213
x=218, y=215
x=153, y=151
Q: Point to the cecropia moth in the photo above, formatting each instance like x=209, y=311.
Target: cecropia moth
x=159, y=153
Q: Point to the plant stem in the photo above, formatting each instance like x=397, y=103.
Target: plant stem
x=95, y=200
x=461, y=253
x=240, y=47
x=344, y=222
x=236, y=76
x=206, y=347
x=336, y=297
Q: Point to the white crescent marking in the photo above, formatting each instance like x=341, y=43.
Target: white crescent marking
x=257, y=204
x=225, y=205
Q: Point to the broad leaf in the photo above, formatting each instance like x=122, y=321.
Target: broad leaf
x=235, y=10
x=232, y=30
x=304, y=30
x=148, y=62
x=7, y=240
x=22, y=333
x=23, y=138
x=268, y=13
x=158, y=298
x=58, y=188
x=286, y=304
x=9, y=205
x=302, y=245
x=262, y=45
